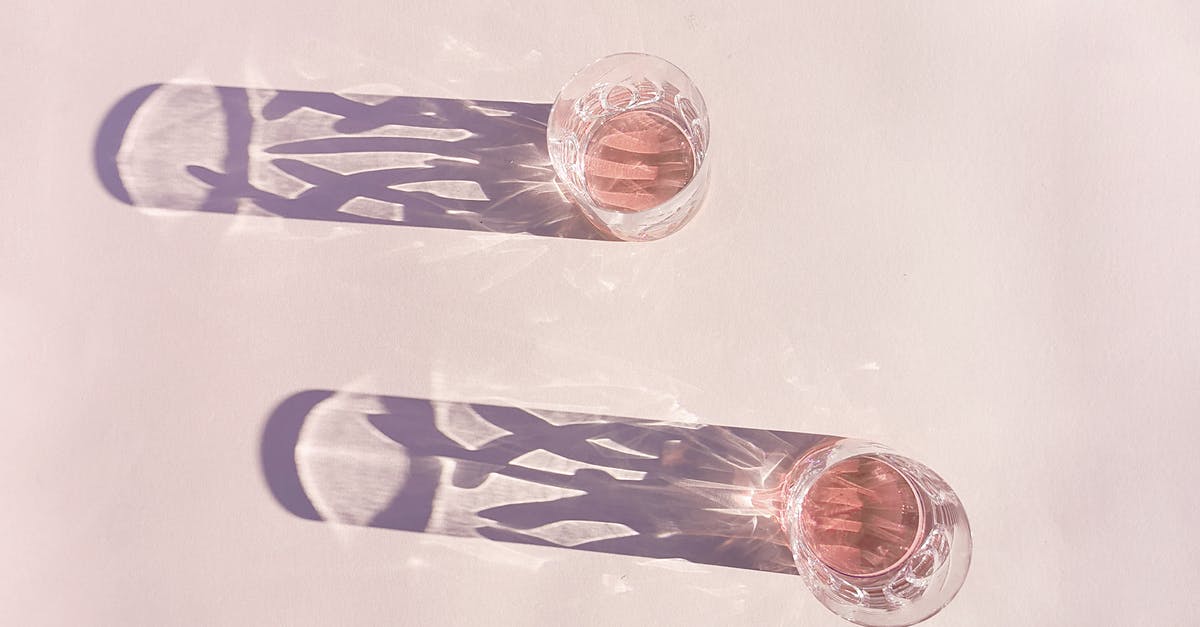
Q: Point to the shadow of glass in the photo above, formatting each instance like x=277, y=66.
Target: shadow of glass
x=702, y=493
x=431, y=162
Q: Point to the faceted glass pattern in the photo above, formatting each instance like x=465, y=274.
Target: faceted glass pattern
x=861, y=517
x=627, y=137
x=637, y=160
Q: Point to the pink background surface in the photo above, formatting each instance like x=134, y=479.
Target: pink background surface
x=970, y=233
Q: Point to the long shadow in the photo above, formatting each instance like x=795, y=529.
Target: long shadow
x=702, y=493
x=431, y=162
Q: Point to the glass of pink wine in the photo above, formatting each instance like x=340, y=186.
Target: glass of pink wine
x=628, y=136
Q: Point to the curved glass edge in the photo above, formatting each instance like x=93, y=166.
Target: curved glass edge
x=913, y=589
x=564, y=149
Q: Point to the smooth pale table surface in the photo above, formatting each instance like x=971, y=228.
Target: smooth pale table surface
x=970, y=233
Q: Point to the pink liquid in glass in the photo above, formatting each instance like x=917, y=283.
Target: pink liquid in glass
x=637, y=160
x=861, y=517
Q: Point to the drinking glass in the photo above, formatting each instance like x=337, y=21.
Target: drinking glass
x=880, y=539
x=628, y=137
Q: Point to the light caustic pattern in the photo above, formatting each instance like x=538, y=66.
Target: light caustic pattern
x=474, y=165
x=861, y=517
x=652, y=489
x=637, y=160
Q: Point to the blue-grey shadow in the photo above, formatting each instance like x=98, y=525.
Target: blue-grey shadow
x=702, y=493
x=430, y=162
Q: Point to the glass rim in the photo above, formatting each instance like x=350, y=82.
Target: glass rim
x=855, y=597
x=698, y=179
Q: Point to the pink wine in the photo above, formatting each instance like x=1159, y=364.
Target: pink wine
x=637, y=160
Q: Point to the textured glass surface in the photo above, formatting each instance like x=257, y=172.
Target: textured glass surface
x=861, y=516
x=880, y=539
x=637, y=160
x=627, y=138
